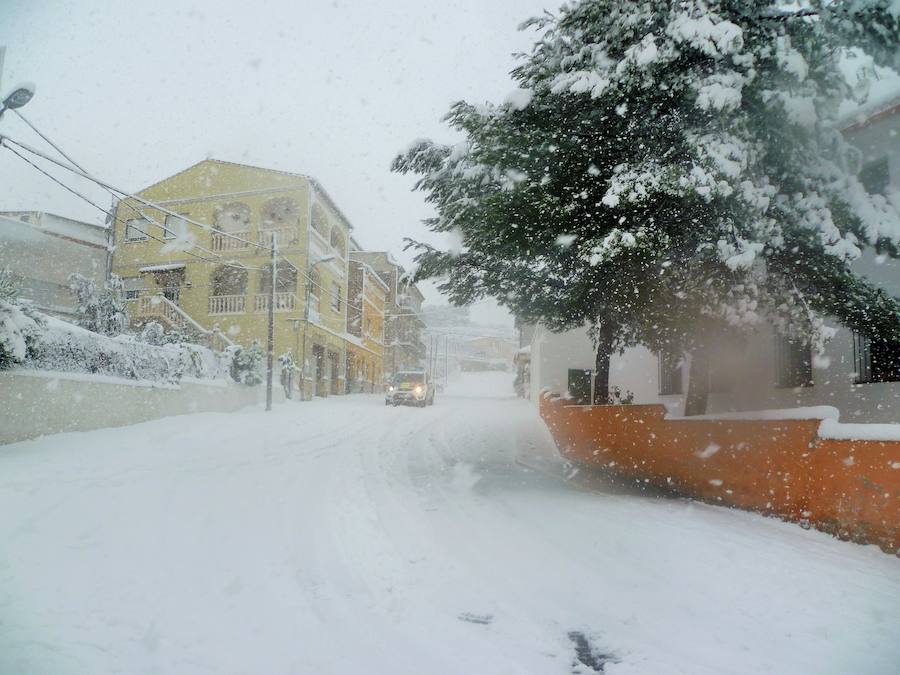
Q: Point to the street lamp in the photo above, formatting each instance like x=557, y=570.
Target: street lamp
x=17, y=98
x=309, y=269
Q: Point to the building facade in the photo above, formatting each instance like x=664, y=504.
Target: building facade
x=43, y=249
x=365, y=321
x=403, y=346
x=203, y=260
x=858, y=375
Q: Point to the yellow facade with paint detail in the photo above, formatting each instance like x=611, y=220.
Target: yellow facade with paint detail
x=200, y=260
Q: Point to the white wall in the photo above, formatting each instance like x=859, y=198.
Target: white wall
x=637, y=370
x=44, y=253
x=36, y=403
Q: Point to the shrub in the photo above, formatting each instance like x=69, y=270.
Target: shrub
x=245, y=365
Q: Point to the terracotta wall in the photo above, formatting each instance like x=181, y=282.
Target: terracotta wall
x=848, y=488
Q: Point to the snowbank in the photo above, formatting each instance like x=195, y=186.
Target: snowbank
x=62, y=346
x=833, y=430
x=817, y=412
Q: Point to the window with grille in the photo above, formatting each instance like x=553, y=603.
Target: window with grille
x=876, y=360
x=793, y=363
x=136, y=229
x=132, y=287
x=669, y=373
x=336, y=297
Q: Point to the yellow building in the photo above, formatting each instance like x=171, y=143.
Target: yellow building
x=202, y=261
x=365, y=322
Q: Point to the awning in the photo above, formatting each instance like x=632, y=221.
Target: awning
x=162, y=268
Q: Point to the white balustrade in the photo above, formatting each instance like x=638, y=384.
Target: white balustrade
x=227, y=304
x=224, y=242
x=286, y=236
x=284, y=302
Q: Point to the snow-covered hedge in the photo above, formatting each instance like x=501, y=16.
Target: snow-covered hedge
x=19, y=329
x=62, y=346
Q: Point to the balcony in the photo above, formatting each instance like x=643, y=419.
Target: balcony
x=286, y=236
x=284, y=302
x=226, y=242
x=227, y=304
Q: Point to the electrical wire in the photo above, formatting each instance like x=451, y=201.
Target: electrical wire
x=78, y=170
x=110, y=215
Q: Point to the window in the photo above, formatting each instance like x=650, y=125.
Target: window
x=285, y=281
x=229, y=281
x=793, y=363
x=876, y=360
x=876, y=176
x=132, y=287
x=137, y=229
x=320, y=221
x=336, y=297
x=669, y=373
x=233, y=217
x=337, y=241
x=175, y=226
x=279, y=212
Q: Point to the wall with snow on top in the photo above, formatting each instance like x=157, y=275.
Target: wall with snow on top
x=37, y=403
x=840, y=478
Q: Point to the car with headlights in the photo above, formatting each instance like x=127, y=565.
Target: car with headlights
x=410, y=388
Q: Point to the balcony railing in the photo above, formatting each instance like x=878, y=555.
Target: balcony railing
x=224, y=242
x=227, y=304
x=284, y=302
x=286, y=236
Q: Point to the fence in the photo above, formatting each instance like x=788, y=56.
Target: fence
x=849, y=487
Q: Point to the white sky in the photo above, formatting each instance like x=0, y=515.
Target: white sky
x=136, y=92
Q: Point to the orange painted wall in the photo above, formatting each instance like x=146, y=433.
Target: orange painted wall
x=847, y=488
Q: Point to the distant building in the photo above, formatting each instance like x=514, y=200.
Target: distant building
x=858, y=375
x=43, y=249
x=486, y=353
x=403, y=349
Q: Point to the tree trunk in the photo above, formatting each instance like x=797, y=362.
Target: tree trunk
x=698, y=383
x=605, y=337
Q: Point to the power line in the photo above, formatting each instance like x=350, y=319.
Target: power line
x=55, y=179
x=103, y=210
x=80, y=171
x=109, y=189
x=48, y=141
x=4, y=140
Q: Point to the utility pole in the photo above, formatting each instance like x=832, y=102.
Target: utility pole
x=271, y=336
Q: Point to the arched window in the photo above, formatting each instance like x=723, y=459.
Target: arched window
x=233, y=217
x=337, y=241
x=320, y=221
x=285, y=281
x=228, y=281
x=280, y=212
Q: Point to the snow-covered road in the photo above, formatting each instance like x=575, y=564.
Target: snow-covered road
x=341, y=536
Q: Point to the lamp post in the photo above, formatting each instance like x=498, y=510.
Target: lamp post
x=17, y=98
x=309, y=270
x=270, y=341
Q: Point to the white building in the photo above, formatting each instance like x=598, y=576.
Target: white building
x=858, y=377
x=43, y=249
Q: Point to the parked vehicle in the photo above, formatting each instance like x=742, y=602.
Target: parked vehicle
x=410, y=388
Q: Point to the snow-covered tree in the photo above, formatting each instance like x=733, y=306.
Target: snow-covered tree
x=672, y=173
x=100, y=309
x=246, y=364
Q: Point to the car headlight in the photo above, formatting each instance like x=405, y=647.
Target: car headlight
x=391, y=388
x=418, y=390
